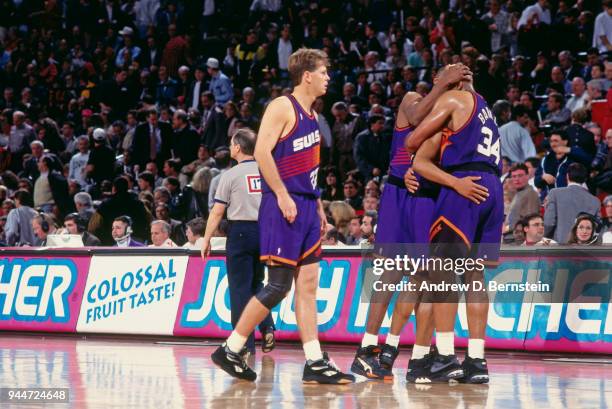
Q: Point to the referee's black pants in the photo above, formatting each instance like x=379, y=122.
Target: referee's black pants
x=245, y=273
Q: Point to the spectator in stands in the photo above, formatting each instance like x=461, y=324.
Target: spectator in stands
x=84, y=205
x=152, y=141
x=122, y=233
x=101, y=163
x=368, y=227
x=78, y=162
x=74, y=224
x=564, y=204
x=602, y=32
x=526, y=200
x=214, y=131
x=177, y=234
x=30, y=166
x=553, y=172
x=333, y=238
x=532, y=164
x=160, y=235
x=516, y=142
x=579, y=95
x=341, y=213
x=534, y=231
x=332, y=189
x=21, y=135
x=195, y=233
x=557, y=115
x=344, y=130
x=351, y=195
x=584, y=231
x=518, y=233
x=601, y=153
x=354, y=231
x=371, y=149
x=186, y=139
x=18, y=228
x=121, y=203
x=223, y=160
x=581, y=137
x=51, y=189
x=43, y=225
x=220, y=84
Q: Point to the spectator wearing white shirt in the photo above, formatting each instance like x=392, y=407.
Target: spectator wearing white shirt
x=160, y=235
x=602, y=32
x=579, y=95
x=538, y=11
x=78, y=162
x=195, y=231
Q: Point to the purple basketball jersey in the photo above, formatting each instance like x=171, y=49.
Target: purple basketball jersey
x=297, y=154
x=476, y=142
x=401, y=160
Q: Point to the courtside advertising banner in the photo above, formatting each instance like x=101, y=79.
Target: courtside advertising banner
x=562, y=302
x=41, y=293
x=132, y=295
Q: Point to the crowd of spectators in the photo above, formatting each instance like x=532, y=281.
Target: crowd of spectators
x=125, y=108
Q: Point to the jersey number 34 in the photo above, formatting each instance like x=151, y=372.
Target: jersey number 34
x=486, y=148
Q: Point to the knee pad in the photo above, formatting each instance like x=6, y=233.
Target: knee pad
x=279, y=284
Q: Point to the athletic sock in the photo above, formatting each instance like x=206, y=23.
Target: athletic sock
x=312, y=350
x=476, y=348
x=419, y=351
x=235, y=342
x=369, y=339
x=392, y=340
x=445, y=341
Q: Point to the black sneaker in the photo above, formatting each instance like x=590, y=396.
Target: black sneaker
x=418, y=370
x=233, y=363
x=366, y=363
x=387, y=357
x=324, y=371
x=444, y=368
x=268, y=343
x=474, y=370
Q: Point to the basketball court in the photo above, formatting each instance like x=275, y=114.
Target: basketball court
x=104, y=372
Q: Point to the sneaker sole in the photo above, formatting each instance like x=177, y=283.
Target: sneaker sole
x=475, y=379
x=314, y=382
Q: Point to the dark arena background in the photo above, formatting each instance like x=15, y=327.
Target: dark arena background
x=117, y=125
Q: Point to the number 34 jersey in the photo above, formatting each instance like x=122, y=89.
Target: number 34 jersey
x=297, y=154
x=477, y=141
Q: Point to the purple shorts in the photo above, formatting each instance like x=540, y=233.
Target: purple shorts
x=403, y=219
x=287, y=243
x=459, y=223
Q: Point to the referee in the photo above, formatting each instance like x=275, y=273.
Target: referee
x=239, y=191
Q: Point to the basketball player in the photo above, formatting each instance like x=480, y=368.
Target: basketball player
x=398, y=224
x=466, y=214
x=291, y=220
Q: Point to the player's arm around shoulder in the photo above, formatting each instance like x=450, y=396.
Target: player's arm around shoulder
x=438, y=119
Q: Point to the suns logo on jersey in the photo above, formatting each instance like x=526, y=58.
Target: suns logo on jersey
x=306, y=141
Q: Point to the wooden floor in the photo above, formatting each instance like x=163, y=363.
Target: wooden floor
x=105, y=373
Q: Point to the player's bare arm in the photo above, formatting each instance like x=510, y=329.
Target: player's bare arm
x=415, y=108
x=439, y=118
x=424, y=164
x=277, y=120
